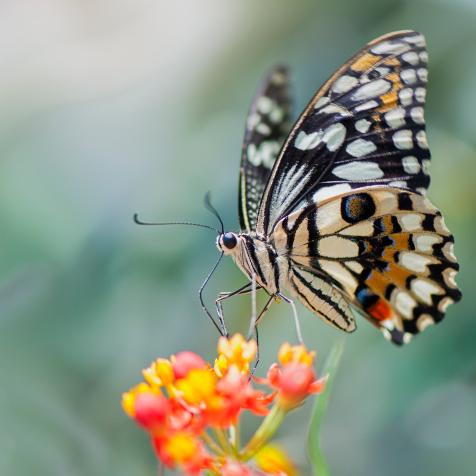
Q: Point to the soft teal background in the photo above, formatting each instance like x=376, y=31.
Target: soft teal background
x=108, y=107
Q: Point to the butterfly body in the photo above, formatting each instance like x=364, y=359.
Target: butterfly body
x=334, y=210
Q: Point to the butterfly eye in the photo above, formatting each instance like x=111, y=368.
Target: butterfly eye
x=229, y=240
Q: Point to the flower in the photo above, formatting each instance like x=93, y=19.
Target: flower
x=185, y=450
x=295, y=353
x=160, y=373
x=273, y=460
x=295, y=379
x=184, y=401
x=184, y=362
x=234, y=351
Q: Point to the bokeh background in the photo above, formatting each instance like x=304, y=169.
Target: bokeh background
x=108, y=107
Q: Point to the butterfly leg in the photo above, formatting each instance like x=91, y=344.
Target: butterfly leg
x=246, y=289
x=255, y=329
x=295, y=315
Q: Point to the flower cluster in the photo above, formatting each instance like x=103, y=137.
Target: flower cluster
x=192, y=409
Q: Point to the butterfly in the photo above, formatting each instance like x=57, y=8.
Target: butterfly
x=335, y=211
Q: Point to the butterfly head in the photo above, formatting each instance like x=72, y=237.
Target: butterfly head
x=227, y=242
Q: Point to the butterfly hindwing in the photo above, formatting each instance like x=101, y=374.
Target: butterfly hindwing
x=266, y=129
x=364, y=127
x=387, y=250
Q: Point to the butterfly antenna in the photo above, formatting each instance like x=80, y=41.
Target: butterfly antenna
x=221, y=328
x=212, y=209
x=138, y=221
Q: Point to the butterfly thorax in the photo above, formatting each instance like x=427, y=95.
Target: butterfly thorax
x=254, y=255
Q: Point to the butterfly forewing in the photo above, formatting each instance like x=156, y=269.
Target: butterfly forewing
x=266, y=129
x=364, y=127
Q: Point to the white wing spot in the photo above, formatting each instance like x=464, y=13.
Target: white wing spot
x=423, y=74
x=414, y=261
x=335, y=109
x=408, y=76
x=331, y=191
x=344, y=84
x=425, y=164
x=418, y=115
x=264, y=104
x=334, y=136
x=276, y=115
x=411, y=165
x=406, y=96
x=420, y=94
x=366, y=105
x=321, y=102
x=425, y=289
x=422, y=140
x=411, y=221
x=389, y=47
x=398, y=184
x=424, y=56
x=362, y=125
x=405, y=304
x=403, y=139
x=424, y=243
x=395, y=118
x=371, y=90
x=263, y=129
x=444, y=303
x=360, y=147
x=264, y=155
x=356, y=171
x=418, y=40
x=308, y=141
x=411, y=58
x=424, y=321
x=253, y=120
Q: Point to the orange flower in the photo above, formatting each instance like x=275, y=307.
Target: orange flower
x=234, y=351
x=160, y=373
x=182, y=398
x=184, y=450
x=296, y=353
x=294, y=383
x=273, y=460
x=184, y=362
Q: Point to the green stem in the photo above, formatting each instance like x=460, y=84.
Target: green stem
x=223, y=441
x=212, y=444
x=264, y=432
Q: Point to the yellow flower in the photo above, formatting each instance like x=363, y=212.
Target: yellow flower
x=295, y=354
x=160, y=373
x=234, y=351
x=198, y=387
x=181, y=447
x=273, y=460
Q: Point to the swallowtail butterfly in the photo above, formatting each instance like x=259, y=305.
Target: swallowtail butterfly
x=335, y=211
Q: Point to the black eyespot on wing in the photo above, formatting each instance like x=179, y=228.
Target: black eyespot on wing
x=357, y=207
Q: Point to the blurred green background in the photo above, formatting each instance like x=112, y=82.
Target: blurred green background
x=111, y=107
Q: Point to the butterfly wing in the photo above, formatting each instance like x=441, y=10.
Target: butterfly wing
x=364, y=127
x=386, y=251
x=266, y=129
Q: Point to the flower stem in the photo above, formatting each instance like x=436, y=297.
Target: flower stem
x=223, y=441
x=212, y=444
x=264, y=432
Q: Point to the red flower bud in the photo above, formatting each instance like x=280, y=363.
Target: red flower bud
x=184, y=362
x=150, y=410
